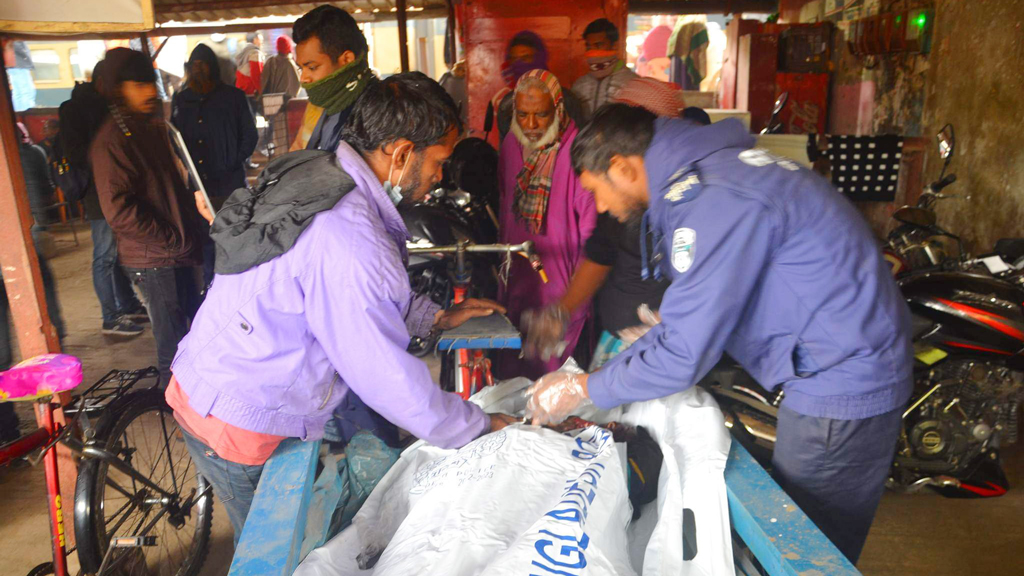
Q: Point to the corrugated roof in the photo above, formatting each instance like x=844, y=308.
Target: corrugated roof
x=213, y=10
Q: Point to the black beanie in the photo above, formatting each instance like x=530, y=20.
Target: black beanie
x=125, y=65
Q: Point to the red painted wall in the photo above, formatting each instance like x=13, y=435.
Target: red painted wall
x=486, y=26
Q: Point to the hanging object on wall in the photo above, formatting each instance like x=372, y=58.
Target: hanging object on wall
x=891, y=32
x=866, y=168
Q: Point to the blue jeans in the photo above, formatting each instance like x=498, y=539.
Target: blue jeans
x=233, y=483
x=112, y=286
x=172, y=299
x=835, y=470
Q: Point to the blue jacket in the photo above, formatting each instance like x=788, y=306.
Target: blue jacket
x=768, y=263
x=220, y=134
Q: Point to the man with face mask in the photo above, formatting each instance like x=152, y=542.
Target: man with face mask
x=280, y=343
x=608, y=73
x=749, y=243
x=145, y=199
x=541, y=200
x=331, y=53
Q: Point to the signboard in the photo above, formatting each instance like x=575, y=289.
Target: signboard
x=75, y=16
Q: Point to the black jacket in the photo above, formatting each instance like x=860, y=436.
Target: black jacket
x=80, y=120
x=219, y=131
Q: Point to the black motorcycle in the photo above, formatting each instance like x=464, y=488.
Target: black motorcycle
x=968, y=334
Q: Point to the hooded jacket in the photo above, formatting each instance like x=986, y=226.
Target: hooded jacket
x=276, y=348
x=218, y=129
x=768, y=263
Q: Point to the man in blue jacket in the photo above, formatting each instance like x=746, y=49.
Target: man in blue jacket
x=768, y=263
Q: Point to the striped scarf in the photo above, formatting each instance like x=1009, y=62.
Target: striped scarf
x=533, y=184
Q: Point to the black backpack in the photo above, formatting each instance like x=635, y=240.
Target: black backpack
x=260, y=223
x=79, y=119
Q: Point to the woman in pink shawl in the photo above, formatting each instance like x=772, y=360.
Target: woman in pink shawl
x=542, y=200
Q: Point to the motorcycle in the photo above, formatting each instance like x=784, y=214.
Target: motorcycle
x=968, y=334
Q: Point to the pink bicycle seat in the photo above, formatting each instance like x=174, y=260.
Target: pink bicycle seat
x=41, y=376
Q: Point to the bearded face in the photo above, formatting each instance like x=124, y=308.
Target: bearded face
x=536, y=119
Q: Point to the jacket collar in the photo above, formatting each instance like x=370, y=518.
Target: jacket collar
x=368, y=185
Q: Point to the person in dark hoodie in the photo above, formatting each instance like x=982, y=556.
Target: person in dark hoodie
x=146, y=201
x=215, y=121
x=331, y=52
x=749, y=243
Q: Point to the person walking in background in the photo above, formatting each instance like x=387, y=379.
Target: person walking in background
x=18, y=61
x=542, y=201
x=454, y=83
x=331, y=52
x=608, y=72
x=249, y=62
x=80, y=119
x=144, y=197
x=281, y=73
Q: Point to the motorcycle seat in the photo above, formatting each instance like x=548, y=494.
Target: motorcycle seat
x=1010, y=249
x=919, y=326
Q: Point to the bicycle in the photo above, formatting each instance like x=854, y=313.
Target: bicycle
x=472, y=369
x=139, y=507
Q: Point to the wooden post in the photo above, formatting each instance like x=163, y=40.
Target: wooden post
x=22, y=279
x=403, y=34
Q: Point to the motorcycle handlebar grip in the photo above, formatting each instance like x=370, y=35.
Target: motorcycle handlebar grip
x=949, y=179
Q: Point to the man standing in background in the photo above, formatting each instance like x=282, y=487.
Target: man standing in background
x=331, y=52
x=146, y=201
x=608, y=73
x=281, y=74
x=250, y=64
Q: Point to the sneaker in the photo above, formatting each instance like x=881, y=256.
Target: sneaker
x=122, y=327
x=137, y=315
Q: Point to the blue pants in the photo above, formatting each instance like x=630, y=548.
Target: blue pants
x=113, y=289
x=233, y=483
x=835, y=470
x=172, y=299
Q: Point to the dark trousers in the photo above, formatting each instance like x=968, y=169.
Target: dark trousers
x=835, y=470
x=172, y=298
x=233, y=483
x=112, y=286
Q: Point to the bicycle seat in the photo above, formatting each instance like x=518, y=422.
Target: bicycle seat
x=39, y=377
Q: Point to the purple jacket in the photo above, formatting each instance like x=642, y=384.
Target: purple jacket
x=276, y=348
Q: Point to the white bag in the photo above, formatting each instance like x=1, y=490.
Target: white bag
x=487, y=508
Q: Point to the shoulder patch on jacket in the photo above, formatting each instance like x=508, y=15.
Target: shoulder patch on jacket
x=684, y=241
x=682, y=185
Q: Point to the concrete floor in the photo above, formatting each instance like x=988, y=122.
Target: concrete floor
x=912, y=534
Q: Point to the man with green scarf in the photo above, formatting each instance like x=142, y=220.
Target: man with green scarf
x=331, y=52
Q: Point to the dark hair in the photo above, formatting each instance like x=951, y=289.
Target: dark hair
x=616, y=129
x=408, y=105
x=335, y=28
x=602, y=25
x=697, y=115
x=526, y=38
x=124, y=65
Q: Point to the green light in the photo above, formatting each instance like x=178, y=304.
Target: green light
x=921, y=20
x=899, y=18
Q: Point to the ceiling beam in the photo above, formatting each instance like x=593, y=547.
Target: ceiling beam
x=702, y=6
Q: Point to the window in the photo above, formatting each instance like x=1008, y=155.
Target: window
x=76, y=64
x=47, y=66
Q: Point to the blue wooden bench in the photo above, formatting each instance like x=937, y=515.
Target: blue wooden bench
x=776, y=531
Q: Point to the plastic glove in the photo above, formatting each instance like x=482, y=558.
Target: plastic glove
x=555, y=396
x=648, y=318
x=545, y=332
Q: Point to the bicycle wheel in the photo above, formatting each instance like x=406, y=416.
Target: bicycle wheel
x=140, y=429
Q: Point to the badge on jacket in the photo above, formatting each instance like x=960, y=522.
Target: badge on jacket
x=683, y=243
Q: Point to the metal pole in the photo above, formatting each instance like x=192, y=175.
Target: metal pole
x=403, y=34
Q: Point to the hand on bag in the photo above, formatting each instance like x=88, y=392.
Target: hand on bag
x=545, y=332
x=204, y=210
x=499, y=421
x=555, y=396
x=469, y=308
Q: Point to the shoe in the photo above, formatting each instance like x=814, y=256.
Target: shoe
x=122, y=327
x=137, y=315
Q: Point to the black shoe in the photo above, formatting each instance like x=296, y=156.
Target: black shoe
x=123, y=328
x=137, y=315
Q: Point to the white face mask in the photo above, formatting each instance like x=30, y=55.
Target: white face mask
x=394, y=191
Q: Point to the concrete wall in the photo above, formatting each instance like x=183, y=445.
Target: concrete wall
x=973, y=78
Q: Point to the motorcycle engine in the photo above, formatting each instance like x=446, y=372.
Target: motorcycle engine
x=970, y=406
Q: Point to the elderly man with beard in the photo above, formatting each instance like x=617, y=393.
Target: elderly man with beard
x=146, y=201
x=314, y=307
x=542, y=201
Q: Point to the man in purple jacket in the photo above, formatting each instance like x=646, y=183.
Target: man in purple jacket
x=279, y=342
x=768, y=263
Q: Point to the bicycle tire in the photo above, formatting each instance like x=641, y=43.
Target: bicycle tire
x=42, y=570
x=91, y=488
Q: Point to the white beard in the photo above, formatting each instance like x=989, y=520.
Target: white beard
x=529, y=146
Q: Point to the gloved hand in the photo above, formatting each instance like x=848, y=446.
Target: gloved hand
x=555, y=396
x=648, y=318
x=545, y=332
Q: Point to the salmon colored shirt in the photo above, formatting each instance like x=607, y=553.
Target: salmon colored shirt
x=229, y=442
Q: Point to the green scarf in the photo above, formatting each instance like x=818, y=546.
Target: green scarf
x=340, y=89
